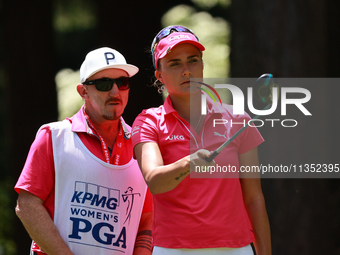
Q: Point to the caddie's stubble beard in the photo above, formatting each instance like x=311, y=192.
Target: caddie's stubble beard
x=115, y=113
x=107, y=117
x=112, y=116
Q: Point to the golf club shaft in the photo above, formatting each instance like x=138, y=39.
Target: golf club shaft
x=219, y=149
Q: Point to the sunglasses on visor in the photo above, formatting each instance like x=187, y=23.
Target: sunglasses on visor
x=106, y=84
x=167, y=31
x=164, y=33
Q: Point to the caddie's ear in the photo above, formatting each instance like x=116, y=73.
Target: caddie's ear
x=82, y=91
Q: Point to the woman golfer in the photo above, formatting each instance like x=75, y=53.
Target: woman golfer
x=203, y=215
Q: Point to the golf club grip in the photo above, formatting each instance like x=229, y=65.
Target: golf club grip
x=212, y=156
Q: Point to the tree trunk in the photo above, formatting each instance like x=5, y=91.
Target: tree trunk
x=29, y=77
x=295, y=39
x=285, y=38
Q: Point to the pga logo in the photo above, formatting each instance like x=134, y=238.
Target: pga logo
x=238, y=100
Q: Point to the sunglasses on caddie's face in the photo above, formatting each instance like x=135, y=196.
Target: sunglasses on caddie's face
x=106, y=84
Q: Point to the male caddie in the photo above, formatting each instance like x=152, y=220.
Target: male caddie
x=81, y=191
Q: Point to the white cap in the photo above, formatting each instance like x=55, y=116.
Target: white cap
x=104, y=58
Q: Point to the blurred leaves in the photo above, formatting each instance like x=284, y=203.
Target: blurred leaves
x=69, y=100
x=74, y=15
x=213, y=33
x=208, y=4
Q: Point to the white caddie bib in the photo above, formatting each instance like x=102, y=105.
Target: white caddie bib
x=97, y=205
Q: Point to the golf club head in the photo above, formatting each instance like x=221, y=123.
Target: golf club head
x=263, y=88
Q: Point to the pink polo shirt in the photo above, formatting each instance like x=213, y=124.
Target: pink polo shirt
x=38, y=176
x=199, y=212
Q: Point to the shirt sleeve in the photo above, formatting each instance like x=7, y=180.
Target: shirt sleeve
x=144, y=128
x=37, y=176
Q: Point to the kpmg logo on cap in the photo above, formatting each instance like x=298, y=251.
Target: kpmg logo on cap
x=109, y=56
x=178, y=37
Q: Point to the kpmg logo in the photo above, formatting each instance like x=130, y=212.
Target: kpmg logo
x=266, y=92
x=90, y=199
